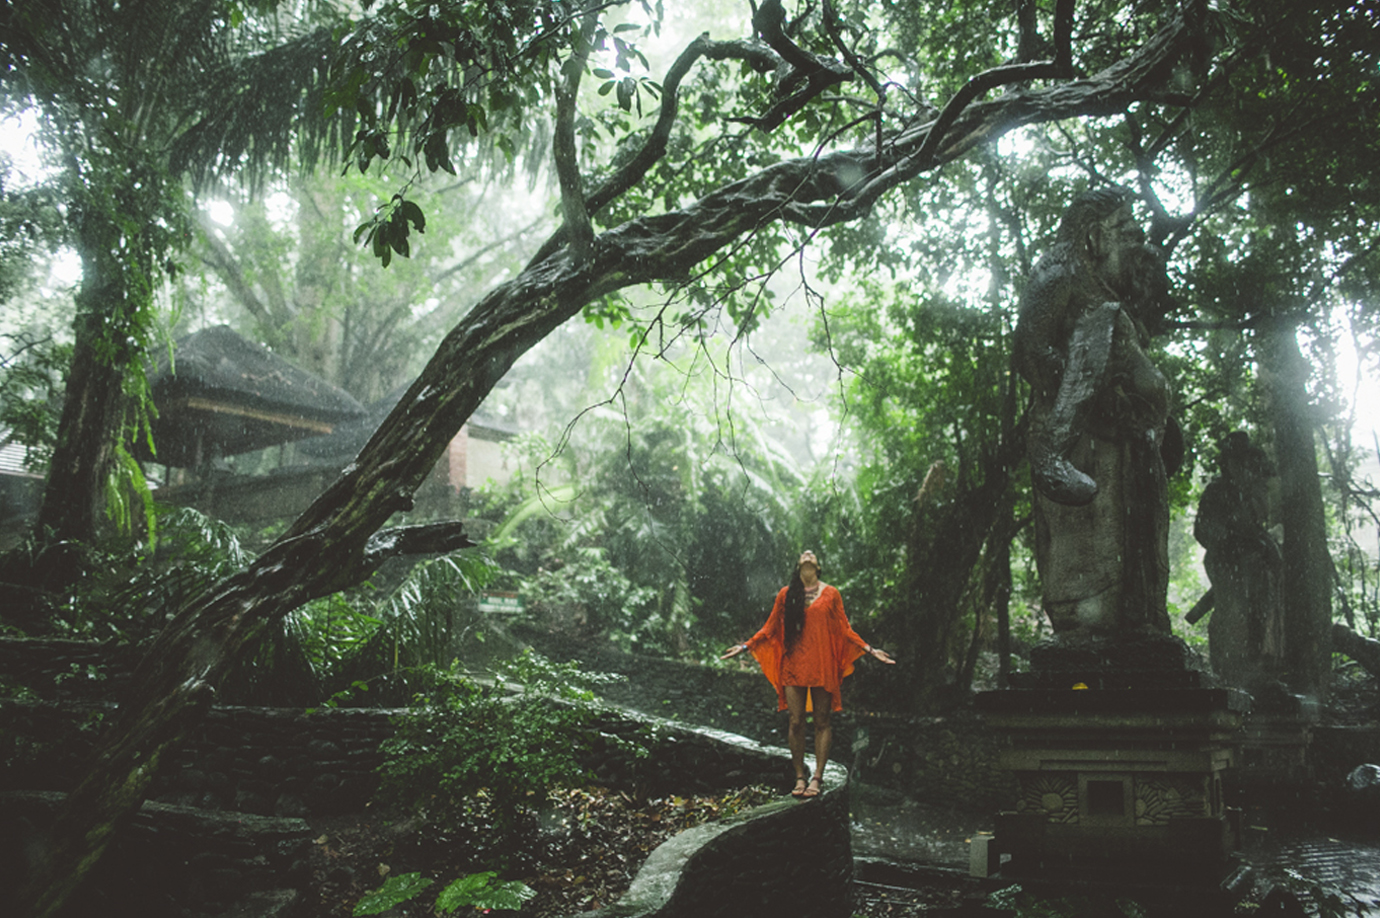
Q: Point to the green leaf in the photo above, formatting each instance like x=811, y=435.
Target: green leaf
x=396, y=889
x=413, y=214
x=407, y=93
x=438, y=153
x=480, y=891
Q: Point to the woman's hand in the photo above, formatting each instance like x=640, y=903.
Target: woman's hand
x=733, y=651
x=882, y=655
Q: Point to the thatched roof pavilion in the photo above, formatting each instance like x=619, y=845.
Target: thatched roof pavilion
x=222, y=395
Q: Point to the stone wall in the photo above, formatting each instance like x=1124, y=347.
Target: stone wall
x=950, y=762
x=264, y=761
x=941, y=761
x=938, y=761
x=172, y=861
x=280, y=761
x=288, y=762
x=58, y=669
x=735, y=700
x=45, y=745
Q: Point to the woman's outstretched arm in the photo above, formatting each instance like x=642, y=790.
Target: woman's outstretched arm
x=774, y=625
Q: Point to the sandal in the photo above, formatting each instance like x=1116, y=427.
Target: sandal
x=800, y=787
x=814, y=787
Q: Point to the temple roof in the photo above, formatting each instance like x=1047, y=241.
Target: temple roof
x=222, y=395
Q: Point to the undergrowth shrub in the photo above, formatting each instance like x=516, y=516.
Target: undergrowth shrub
x=480, y=756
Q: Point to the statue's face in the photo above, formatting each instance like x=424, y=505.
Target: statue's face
x=1249, y=467
x=1112, y=240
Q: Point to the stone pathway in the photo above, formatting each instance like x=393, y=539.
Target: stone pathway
x=1308, y=860
x=889, y=825
x=1315, y=864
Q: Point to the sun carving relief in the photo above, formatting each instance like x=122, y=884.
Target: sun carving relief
x=1158, y=801
x=1055, y=796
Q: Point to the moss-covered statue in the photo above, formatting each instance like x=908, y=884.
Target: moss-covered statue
x=1098, y=421
x=1243, y=561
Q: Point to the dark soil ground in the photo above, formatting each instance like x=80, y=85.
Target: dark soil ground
x=579, y=852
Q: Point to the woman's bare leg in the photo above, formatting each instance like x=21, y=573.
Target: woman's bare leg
x=795, y=729
x=823, y=704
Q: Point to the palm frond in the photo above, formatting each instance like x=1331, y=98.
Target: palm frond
x=261, y=110
x=425, y=620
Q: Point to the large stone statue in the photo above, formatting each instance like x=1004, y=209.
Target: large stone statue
x=1243, y=561
x=1098, y=421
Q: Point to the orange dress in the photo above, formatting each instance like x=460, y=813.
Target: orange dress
x=822, y=655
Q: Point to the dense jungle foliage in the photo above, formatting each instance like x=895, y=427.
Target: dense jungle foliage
x=796, y=242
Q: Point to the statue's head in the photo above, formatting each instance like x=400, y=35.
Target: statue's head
x=1147, y=286
x=1241, y=460
x=1101, y=227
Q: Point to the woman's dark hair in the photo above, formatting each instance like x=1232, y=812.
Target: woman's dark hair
x=795, y=609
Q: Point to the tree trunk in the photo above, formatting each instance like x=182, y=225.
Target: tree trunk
x=333, y=544
x=946, y=544
x=74, y=493
x=92, y=417
x=1306, y=589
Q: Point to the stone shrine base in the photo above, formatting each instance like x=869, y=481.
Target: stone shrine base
x=1117, y=786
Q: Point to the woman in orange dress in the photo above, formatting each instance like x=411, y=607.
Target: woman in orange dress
x=805, y=649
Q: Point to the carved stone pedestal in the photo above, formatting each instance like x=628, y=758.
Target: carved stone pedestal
x=1117, y=786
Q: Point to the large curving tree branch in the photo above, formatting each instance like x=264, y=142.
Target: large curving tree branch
x=965, y=124
x=336, y=541
x=754, y=53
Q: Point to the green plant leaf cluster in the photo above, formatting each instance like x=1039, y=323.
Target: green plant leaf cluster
x=395, y=890
x=425, y=82
x=477, y=890
x=385, y=633
x=31, y=386
x=483, y=891
x=120, y=587
x=494, y=747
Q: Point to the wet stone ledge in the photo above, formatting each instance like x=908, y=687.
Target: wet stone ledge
x=784, y=858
